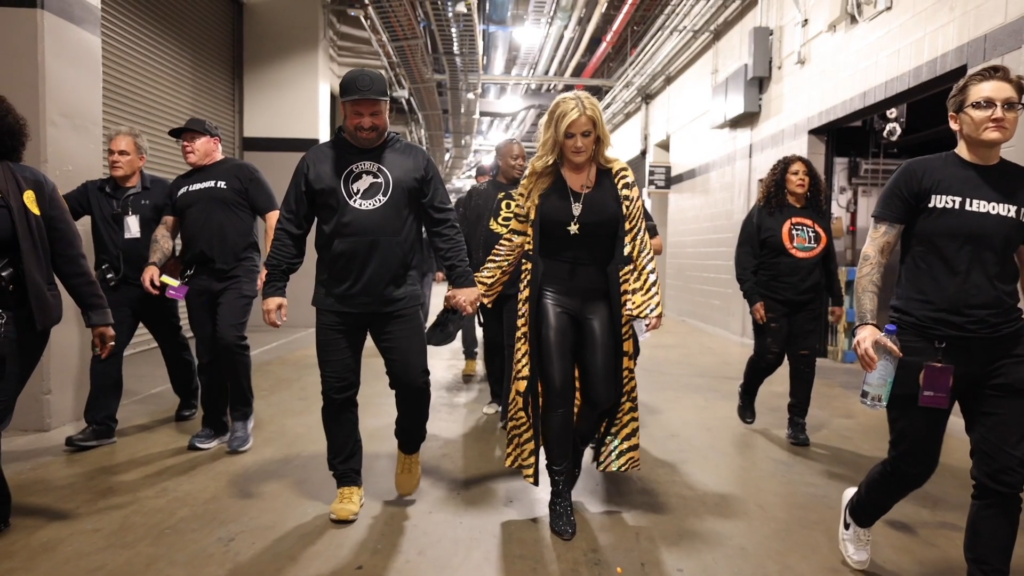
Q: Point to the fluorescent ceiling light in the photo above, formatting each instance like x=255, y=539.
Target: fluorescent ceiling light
x=528, y=35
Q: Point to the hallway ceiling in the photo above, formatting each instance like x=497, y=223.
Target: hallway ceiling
x=467, y=74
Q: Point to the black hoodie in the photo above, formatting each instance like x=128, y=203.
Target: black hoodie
x=787, y=257
x=370, y=206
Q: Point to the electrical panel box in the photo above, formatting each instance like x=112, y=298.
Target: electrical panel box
x=759, y=61
x=735, y=98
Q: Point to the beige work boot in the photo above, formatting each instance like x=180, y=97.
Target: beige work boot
x=346, y=507
x=469, y=371
x=407, y=473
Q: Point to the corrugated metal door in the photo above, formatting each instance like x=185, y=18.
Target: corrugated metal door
x=164, y=62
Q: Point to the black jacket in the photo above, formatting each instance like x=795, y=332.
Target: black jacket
x=50, y=245
x=479, y=215
x=788, y=257
x=370, y=207
x=150, y=201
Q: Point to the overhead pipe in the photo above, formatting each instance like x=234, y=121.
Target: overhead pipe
x=594, y=19
x=611, y=38
x=563, y=13
x=567, y=37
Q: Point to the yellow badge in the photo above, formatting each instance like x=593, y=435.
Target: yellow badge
x=30, y=200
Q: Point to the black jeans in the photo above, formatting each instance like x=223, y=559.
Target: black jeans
x=401, y=341
x=499, y=346
x=131, y=305
x=576, y=332
x=219, y=306
x=469, y=341
x=988, y=382
x=790, y=331
x=21, y=347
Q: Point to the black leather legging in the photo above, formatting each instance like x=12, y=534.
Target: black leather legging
x=576, y=331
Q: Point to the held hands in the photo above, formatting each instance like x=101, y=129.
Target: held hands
x=835, y=314
x=275, y=312
x=464, y=299
x=102, y=341
x=864, y=347
x=757, y=311
x=151, y=279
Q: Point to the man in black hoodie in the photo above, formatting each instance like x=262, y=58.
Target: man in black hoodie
x=370, y=193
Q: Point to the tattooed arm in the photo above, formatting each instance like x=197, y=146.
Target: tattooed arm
x=161, y=247
x=881, y=241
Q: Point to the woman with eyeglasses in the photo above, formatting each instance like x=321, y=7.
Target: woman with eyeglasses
x=38, y=241
x=486, y=213
x=958, y=217
x=587, y=273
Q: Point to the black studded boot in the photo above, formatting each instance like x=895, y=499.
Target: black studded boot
x=560, y=513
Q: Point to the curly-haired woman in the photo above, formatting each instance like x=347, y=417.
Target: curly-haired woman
x=785, y=263
x=38, y=240
x=587, y=273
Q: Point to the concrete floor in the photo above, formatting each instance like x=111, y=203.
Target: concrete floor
x=713, y=497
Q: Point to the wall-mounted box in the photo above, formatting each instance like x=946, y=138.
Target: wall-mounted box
x=759, y=60
x=735, y=98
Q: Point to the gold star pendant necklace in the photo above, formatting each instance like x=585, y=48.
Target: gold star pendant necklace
x=577, y=207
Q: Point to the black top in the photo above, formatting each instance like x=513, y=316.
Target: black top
x=217, y=207
x=370, y=206
x=788, y=257
x=11, y=297
x=579, y=260
x=109, y=205
x=963, y=226
x=49, y=245
x=485, y=214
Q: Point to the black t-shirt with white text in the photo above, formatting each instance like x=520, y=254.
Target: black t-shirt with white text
x=217, y=207
x=963, y=224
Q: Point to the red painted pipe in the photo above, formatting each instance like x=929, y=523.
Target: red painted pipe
x=612, y=37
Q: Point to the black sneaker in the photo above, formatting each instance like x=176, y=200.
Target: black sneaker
x=206, y=439
x=241, y=436
x=745, y=408
x=4, y=526
x=91, y=437
x=797, y=432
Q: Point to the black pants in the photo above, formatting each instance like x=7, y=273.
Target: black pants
x=789, y=332
x=131, y=305
x=20, y=351
x=469, y=341
x=219, y=306
x=575, y=332
x=401, y=341
x=988, y=382
x=499, y=346
x=427, y=284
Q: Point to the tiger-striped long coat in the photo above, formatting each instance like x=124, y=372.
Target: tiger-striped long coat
x=632, y=276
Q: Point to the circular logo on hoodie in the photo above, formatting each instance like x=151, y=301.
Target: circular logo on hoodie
x=803, y=238
x=366, y=185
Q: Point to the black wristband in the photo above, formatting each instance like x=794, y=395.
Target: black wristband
x=148, y=264
x=857, y=327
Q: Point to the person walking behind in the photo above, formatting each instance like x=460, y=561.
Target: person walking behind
x=785, y=265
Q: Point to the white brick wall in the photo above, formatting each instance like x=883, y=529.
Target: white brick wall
x=705, y=212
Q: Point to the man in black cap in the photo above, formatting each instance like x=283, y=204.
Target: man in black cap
x=215, y=206
x=371, y=194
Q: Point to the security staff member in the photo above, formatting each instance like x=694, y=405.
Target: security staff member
x=216, y=204
x=370, y=193
x=125, y=209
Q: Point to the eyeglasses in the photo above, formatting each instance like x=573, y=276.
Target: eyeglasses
x=191, y=139
x=988, y=108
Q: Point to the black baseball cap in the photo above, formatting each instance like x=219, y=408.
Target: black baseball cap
x=363, y=84
x=195, y=125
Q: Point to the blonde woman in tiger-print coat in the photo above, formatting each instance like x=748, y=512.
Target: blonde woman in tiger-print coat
x=618, y=443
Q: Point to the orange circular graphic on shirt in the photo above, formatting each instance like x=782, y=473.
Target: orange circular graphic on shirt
x=803, y=238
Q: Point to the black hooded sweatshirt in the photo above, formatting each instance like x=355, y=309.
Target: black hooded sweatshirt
x=370, y=206
x=787, y=257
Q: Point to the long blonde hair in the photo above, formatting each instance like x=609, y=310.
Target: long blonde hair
x=565, y=110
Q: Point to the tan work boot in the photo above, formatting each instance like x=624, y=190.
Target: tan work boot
x=407, y=473
x=469, y=371
x=346, y=507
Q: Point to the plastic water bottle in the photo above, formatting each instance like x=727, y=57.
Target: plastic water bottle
x=878, y=384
